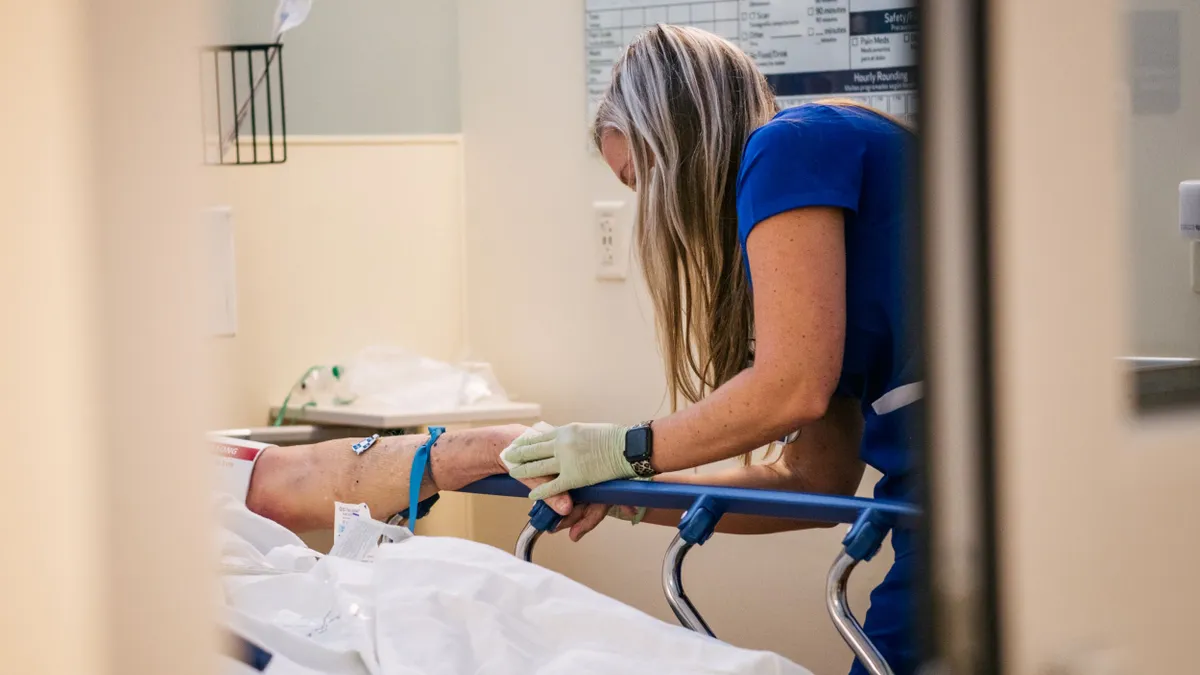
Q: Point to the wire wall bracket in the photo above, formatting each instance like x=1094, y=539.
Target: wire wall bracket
x=243, y=106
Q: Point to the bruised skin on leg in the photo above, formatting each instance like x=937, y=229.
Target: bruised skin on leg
x=297, y=486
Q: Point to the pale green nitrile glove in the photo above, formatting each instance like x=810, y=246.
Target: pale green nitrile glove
x=619, y=512
x=579, y=454
x=631, y=514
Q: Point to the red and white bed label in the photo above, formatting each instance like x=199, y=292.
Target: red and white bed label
x=235, y=464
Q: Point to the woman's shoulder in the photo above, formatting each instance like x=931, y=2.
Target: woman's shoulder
x=810, y=112
x=831, y=116
x=813, y=128
x=823, y=128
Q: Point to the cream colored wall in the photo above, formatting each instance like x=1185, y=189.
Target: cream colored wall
x=362, y=67
x=99, y=359
x=1096, y=562
x=354, y=241
x=585, y=349
x=1164, y=149
x=45, y=239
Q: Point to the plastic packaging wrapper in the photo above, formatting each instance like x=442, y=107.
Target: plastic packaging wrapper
x=393, y=378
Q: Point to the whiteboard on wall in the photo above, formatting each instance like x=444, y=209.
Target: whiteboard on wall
x=808, y=49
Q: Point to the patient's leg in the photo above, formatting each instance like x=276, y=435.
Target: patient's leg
x=297, y=486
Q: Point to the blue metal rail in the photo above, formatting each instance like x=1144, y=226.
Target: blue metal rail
x=703, y=506
x=681, y=496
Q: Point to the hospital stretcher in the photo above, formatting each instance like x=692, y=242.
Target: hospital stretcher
x=703, y=506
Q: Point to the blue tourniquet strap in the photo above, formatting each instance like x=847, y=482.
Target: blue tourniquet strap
x=417, y=476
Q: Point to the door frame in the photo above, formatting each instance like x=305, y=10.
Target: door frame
x=960, y=584
x=1060, y=519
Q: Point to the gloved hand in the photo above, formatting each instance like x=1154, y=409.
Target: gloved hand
x=633, y=514
x=579, y=454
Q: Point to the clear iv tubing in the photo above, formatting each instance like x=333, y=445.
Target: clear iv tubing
x=283, y=408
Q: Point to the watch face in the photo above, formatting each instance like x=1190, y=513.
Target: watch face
x=635, y=444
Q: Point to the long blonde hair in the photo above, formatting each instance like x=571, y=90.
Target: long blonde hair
x=687, y=100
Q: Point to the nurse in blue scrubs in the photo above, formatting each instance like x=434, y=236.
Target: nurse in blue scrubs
x=774, y=246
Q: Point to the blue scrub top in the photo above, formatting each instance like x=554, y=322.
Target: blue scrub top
x=852, y=158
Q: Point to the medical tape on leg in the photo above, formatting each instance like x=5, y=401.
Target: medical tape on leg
x=364, y=445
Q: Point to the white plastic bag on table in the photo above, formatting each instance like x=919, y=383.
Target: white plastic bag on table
x=397, y=379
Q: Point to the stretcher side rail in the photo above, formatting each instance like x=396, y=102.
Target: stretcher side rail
x=703, y=506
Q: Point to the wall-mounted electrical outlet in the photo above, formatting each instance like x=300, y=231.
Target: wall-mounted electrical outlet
x=612, y=240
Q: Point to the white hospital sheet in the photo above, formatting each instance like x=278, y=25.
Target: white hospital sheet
x=441, y=606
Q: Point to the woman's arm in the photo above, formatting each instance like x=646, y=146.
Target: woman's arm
x=824, y=459
x=798, y=263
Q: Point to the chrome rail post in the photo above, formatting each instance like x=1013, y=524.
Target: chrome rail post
x=542, y=518
x=672, y=581
x=862, y=542
x=697, y=525
x=525, y=541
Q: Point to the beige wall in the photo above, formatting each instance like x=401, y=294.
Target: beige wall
x=102, y=382
x=1163, y=150
x=362, y=67
x=45, y=239
x=585, y=349
x=354, y=241
x=1095, y=561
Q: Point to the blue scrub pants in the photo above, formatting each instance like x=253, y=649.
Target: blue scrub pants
x=889, y=621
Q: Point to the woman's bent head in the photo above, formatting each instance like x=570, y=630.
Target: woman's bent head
x=672, y=126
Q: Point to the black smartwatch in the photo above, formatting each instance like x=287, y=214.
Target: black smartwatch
x=639, y=448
